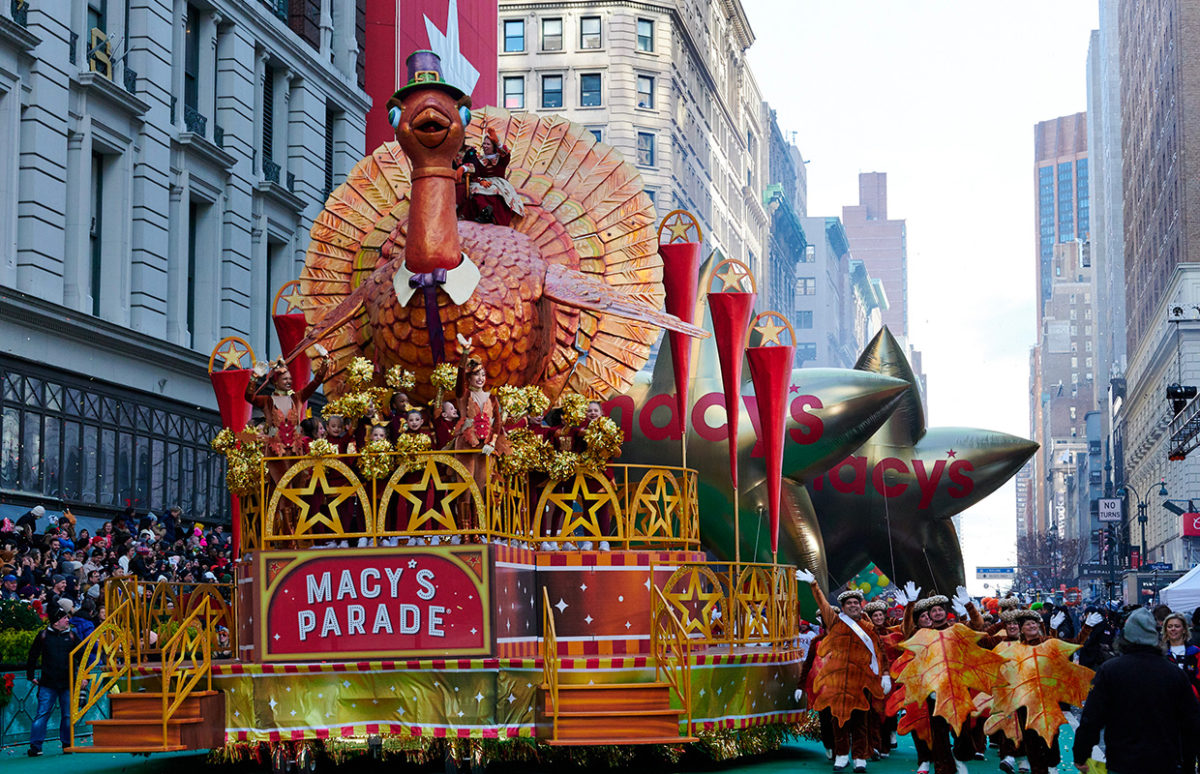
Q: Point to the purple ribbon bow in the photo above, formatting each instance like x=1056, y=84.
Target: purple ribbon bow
x=428, y=283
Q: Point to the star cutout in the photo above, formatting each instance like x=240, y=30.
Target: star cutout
x=431, y=479
x=561, y=605
x=303, y=497
x=583, y=587
x=232, y=355
x=478, y=697
x=905, y=471
x=589, y=618
x=511, y=698
x=769, y=332
x=693, y=605
x=272, y=704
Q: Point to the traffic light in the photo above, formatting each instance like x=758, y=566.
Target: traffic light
x=1108, y=542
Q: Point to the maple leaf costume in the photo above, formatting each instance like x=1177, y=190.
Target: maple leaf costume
x=850, y=677
x=1037, y=677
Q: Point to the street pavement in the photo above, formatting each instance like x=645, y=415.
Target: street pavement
x=799, y=756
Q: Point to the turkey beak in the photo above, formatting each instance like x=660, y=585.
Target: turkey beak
x=430, y=127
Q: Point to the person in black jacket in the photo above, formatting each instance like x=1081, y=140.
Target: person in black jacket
x=1144, y=704
x=52, y=646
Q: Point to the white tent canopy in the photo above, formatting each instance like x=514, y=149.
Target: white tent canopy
x=1183, y=596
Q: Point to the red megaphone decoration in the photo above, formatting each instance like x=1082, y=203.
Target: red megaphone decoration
x=730, y=310
x=230, y=384
x=681, y=269
x=290, y=327
x=770, y=372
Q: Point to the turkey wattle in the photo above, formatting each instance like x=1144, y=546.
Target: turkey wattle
x=570, y=294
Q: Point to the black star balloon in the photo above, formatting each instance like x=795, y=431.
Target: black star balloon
x=890, y=502
x=830, y=413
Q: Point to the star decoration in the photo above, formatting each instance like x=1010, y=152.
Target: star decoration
x=769, y=331
x=694, y=605
x=272, y=704
x=793, y=389
x=561, y=606
x=681, y=225
x=292, y=298
x=951, y=453
x=582, y=491
x=732, y=277
x=449, y=492
x=303, y=497
x=232, y=355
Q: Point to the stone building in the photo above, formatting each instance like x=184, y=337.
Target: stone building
x=666, y=84
x=162, y=163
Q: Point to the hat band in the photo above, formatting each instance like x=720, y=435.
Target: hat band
x=427, y=76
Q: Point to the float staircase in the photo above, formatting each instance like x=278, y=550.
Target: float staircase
x=137, y=725
x=618, y=713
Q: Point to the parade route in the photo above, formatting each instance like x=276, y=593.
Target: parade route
x=800, y=755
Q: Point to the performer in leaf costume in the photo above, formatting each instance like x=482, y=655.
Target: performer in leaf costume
x=853, y=674
x=1037, y=678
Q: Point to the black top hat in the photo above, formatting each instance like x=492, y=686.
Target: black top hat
x=425, y=71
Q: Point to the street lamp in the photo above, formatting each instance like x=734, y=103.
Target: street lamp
x=1141, y=506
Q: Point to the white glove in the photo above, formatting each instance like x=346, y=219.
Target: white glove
x=902, y=598
x=1057, y=619
x=887, y=683
x=716, y=614
x=804, y=576
x=488, y=448
x=799, y=694
x=961, y=597
x=959, y=608
x=912, y=591
x=1093, y=620
x=464, y=342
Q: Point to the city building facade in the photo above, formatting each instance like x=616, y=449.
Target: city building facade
x=785, y=200
x=882, y=244
x=1062, y=192
x=162, y=165
x=666, y=84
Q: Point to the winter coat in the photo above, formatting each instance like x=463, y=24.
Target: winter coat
x=53, y=648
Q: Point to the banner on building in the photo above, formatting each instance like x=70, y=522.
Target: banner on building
x=1191, y=524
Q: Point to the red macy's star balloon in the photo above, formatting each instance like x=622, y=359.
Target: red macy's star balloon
x=895, y=495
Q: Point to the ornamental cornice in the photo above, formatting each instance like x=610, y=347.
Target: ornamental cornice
x=95, y=83
x=17, y=35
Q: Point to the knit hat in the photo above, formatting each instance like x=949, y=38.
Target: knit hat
x=936, y=600
x=38, y=511
x=55, y=614
x=874, y=605
x=850, y=594
x=1009, y=603
x=1140, y=628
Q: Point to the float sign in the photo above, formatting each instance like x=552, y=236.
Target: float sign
x=374, y=603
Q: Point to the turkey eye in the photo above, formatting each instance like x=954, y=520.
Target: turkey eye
x=394, y=116
x=465, y=114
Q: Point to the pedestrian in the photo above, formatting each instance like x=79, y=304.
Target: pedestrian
x=52, y=647
x=30, y=518
x=1142, y=702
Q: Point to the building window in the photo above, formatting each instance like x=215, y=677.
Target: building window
x=514, y=35
x=598, y=134
x=651, y=194
x=552, y=91
x=97, y=18
x=330, y=122
x=809, y=255
x=514, y=93
x=194, y=213
x=804, y=319
x=645, y=91
x=645, y=35
x=589, y=32
x=552, y=37
x=268, y=117
x=589, y=90
x=806, y=352
x=191, y=60
x=645, y=149
x=97, y=230
x=806, y=286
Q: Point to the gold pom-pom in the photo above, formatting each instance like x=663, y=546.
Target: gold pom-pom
x=401, y=379
x=352, y=405
x=321, y=448
x=536, y=401
x=563, y=465
x=574, y=408
x=444, y=376
x=512, y=400
x=603, y=439
x=376, y=460
x=528, y=452
x=244, y=474
x=408, y=445
x=224, y=441
x=359, y=373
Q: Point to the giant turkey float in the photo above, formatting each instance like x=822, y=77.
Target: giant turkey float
x=512, y=588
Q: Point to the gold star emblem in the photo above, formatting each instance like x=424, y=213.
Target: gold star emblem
x=232, y=355
x=731, y=278
x=589, y=518
x=448, y=492
x=769, y=332
x=682, y=227
x=292, y=299
x=695, y=605
x=303, y=496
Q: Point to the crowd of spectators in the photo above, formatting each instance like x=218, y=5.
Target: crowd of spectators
x=53, y=563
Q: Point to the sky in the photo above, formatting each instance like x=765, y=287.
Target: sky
x=942, y=95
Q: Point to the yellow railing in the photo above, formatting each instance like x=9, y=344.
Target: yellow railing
x=443, y=494
x=672, y=650
x=159, y=608
x=187, y=659
x=727, y=604
x=550, y=661
x=102, y=661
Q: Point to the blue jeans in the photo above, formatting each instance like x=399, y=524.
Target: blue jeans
x=46, y=699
